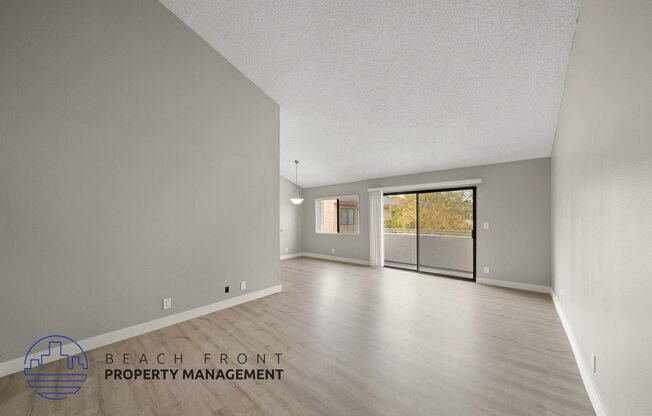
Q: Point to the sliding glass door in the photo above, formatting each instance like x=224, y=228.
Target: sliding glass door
x=431, y=232
x=400, y=237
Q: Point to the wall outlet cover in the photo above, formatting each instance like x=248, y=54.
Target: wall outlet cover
x=167, y=303
x=485, y=225
x=243, y=285
x=486, y=269
x=332, y=251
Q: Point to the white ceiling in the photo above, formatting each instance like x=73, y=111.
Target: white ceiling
x=371, y=89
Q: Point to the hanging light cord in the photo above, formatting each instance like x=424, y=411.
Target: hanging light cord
x=297, y=197
x=296, y=176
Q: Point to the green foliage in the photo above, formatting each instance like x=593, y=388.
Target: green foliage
x=451, y=210
x=403, y=212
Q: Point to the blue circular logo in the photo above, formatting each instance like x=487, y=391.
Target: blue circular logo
x=57, y=381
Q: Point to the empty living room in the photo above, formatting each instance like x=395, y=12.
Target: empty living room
x=335, y=207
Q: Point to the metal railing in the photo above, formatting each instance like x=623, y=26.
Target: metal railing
x=458, y=233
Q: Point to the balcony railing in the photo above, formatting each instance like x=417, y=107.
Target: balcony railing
x=461, y=233
x=444, y=249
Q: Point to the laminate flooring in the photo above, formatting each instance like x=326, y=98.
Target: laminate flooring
x=354, y=340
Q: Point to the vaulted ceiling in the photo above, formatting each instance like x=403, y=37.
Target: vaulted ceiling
x=376, y=88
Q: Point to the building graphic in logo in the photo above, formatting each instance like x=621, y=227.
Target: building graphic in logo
x=57, y=381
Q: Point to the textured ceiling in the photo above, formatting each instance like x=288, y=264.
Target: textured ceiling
x=371, y=89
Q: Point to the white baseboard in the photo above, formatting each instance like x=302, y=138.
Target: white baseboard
x=291, y=256
x=581, y=363
x=514, y=285
x=16, y=365
x=333, y=258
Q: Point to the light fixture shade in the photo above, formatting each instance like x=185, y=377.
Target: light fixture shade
x=296, y=201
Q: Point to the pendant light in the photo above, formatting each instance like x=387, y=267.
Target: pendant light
x=297, y=198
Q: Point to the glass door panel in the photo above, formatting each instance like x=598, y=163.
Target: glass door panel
x=445, y=230
x=400, y=233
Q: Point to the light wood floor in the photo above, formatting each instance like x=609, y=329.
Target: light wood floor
x=355, y=341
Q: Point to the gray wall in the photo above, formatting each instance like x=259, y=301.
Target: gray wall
x=514, y=198
x=133, y=163
x=291, y=219
x=602, y=200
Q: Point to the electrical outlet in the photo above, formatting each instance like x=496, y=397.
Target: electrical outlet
x=594, y=360
x=486, y=269
x=287, y=249
x=332, y=251
x=485, y=225
x=243, y=285
x=226, y=289
x=167, y=303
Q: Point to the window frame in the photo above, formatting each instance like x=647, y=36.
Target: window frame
x=319, y=216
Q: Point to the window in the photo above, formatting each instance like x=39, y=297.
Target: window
x=346, y=216
x=328, y=220
x=337, y=215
